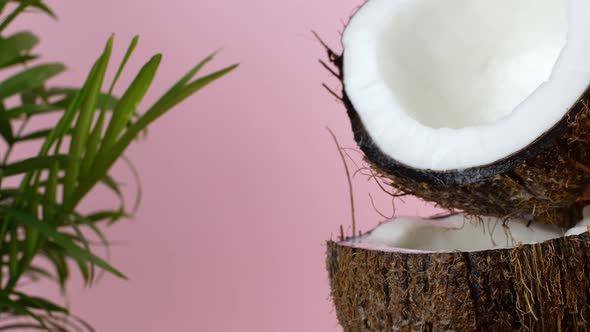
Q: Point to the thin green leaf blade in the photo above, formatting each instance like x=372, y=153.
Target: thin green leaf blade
x=17, y=11
x=82, y=128
x=56, y=256
x=93, y=145
x=37, y=272
x=20, y=60
x=15, y=45
x=29, y=79
x=108, y=101
x=22, y=326
x=186, y=78
x=165, y=105
x=23, y=5
x=95, y=137
x=51, y=193
x=126, y=58
x=30, y=110
x=44, y=8
x=138, y=188
x=14, y=251
x=33, y=164
x=106, y=215
x=39, y=303
x=174, y=99
x=129, y=102
x=110, y=183
x=39, y=134
x=18, y=308
x=5, y=126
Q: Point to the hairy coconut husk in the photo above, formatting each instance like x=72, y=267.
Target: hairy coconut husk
x=539, y=287
x=545, y=182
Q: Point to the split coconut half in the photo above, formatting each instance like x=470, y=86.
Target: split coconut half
x=476, y=105
x=461, y=274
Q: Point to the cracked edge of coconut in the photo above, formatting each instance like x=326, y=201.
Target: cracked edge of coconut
x=459, y=232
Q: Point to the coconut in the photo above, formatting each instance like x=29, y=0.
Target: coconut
x=461, y=274
x=476, y=105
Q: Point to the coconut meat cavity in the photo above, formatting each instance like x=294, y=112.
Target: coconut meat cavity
x=456, y=84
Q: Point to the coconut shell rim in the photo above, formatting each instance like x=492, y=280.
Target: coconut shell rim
x=341, y=243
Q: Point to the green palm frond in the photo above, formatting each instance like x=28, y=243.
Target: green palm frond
x=39, y=218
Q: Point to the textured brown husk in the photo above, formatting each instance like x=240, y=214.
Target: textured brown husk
x=540, y=287
x=544, y=182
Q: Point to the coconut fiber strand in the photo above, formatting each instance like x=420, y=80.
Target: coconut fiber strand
x=540, y=287
x=544, y=182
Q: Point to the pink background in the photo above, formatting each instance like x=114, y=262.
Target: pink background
x=242, y=184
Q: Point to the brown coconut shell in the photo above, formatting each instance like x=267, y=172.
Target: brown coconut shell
x=545, y=182
x=540, y=287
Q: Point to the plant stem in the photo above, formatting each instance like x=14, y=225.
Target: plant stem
x=9, y=152
x=11, y=146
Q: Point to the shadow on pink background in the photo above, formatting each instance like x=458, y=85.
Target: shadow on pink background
x=242, y=184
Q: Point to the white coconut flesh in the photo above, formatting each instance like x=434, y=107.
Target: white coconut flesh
x=455, y=84
x=460, y=233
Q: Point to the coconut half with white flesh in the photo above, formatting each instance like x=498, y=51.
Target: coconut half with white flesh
x=462, y=274
x=477, y=105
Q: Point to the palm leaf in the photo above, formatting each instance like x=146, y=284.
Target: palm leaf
x=40, y=217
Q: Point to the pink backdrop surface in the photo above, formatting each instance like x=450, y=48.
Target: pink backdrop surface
x=242, y=184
